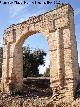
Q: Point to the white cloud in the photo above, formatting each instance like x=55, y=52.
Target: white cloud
x=29, y=15
x=1, y=42
x=21, y=19
x=77, y=11
x=22, y=12
x=42, y=69
x=15, y=9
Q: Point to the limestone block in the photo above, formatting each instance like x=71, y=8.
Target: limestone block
x=4, y=69
x=58, y=27
x=37, y=27
x=61, y=22
x=10, y=37
x=52, y=45
x=66, y=38
x=31, y=27
x=11, y=66
x=12, y=47
x=53, y=36
x=5, y=51
x=52, y=42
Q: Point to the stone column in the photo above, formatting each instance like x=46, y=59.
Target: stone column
x=72, y=76
x=5, y=68
x=60, y=58
x=52, y=41
x=71, y=64
x=69, y=72
x=57, y=75
x=18, y=67
x=8, y=74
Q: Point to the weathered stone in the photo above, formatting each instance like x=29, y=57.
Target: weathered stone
x=58, y=27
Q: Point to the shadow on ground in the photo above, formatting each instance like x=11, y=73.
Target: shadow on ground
x=35, y=87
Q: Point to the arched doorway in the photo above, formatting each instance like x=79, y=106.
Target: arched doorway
x=34, y=82
x=58, y=27
x=37, y=46
x=18, y=53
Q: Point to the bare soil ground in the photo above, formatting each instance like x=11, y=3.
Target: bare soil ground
x=35, y=93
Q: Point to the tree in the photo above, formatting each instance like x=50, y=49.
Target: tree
x=1, y=59
x=31, y=61
x=47, y=73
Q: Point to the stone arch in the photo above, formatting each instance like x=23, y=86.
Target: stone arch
x=58, y=26
x=18, y=53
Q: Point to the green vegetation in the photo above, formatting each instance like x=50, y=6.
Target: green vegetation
x=31, y=61
x=47, y=72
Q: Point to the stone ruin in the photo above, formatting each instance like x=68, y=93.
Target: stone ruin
x=58, y=27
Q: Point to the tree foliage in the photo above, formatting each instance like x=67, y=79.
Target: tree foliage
x=32, y=60
x=47, y=73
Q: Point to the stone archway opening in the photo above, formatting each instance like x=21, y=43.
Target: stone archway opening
x=35, y=43
x=58, y=26
x=39, y=86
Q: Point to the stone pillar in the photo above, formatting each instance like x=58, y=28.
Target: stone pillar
x=52, y=41
x=18, y=66
x=72, y=76
x=64, y=71
x=60, y=58
x=8, y=73
x=57, y=73
x=5, y=68
x=71, y=64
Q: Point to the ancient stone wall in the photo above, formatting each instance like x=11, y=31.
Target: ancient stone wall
x=58, y=27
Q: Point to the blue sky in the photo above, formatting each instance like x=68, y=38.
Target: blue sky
x=15, y=13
